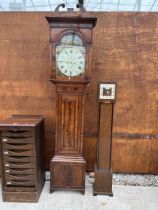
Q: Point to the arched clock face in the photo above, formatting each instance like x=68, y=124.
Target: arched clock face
x=70, y=56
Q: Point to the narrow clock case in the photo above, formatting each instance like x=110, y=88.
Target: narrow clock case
x=103, y=169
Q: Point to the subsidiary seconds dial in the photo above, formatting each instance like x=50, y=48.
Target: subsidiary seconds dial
x=71, y=60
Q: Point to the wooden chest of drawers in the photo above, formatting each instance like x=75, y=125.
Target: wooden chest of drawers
x=22, y=150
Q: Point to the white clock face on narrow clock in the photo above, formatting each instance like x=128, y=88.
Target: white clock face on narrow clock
x=107, y=91
x=71, y=60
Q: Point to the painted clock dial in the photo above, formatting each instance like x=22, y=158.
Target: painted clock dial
x=70, y=56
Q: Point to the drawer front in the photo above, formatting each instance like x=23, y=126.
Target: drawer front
x=17, y=133
x=17, y=146
x=18, y=153
x=19, y=177
x=15, y=177
x=19, y=171
x=19, y=165
x=17, y=159
x=19, y=168
x=16, y=183
x=15, y=140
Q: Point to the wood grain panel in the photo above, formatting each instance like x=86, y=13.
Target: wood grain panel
x=125, y=50
x=104, y=145
x=69, y=124
x=90, y=152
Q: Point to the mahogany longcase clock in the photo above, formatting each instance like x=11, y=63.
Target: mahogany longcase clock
x=71, y=51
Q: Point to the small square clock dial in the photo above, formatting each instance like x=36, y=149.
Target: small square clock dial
x=107, y=91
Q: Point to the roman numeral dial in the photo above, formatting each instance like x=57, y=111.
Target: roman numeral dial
x=71, y=60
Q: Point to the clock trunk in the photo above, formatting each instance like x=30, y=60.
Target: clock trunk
x=68, y=165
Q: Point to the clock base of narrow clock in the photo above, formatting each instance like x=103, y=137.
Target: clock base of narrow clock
x=103, y=182
x=67, y=173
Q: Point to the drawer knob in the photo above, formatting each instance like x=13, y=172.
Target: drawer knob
x=6, y=153
x=5, y=140
x=7, y=171
x=9, y=183
x=7, y=164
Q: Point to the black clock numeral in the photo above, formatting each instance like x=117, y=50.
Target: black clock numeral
x=79, y=67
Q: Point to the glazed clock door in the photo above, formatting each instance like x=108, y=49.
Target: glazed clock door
x=70, y=56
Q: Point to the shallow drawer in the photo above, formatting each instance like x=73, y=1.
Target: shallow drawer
x=17, y=140
x=19, y=171
x=20, y=183
x=19, y=177
x=18, y=152
x=18, y=146
x=21, y=188
x=18, y=165
x=17, y=159
x=17, y=133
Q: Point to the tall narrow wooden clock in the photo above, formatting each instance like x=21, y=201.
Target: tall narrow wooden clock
x=71, y=51
x=103, y=169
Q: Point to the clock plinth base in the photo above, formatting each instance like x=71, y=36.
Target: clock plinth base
x=103, y=182
x=67, y=173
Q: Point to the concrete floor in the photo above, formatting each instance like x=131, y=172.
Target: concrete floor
x=125, y=198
